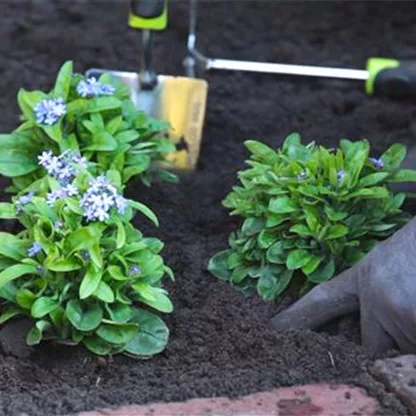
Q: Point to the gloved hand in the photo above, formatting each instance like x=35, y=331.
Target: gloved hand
x=382, y=286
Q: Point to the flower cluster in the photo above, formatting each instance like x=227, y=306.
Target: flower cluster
x=63, y=167
x=91, y=87
x=100, y=199
x=49, y=111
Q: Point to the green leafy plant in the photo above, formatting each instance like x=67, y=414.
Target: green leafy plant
x=93, y=117
x=309, y=213
x=79, y=269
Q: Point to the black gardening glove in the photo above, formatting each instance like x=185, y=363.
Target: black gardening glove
x=382, y=287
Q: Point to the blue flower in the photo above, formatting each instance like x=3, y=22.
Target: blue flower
x=301, y=176
x=134, y=269
x=341, y=175
x=34, y=249
x=49, y=111
x=59, y=224
x=378, y=163
x=25, y=199
x=91, y=87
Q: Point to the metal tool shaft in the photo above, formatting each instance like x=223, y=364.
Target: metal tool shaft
x=304, y=70
x=147, y=77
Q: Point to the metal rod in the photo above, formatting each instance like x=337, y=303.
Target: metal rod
x=147, y=77
x=304, y=70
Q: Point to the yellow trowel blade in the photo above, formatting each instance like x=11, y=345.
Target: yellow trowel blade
x=183, y=103
x=179, y=100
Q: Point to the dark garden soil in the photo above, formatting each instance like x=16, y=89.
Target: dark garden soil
x=220, y=342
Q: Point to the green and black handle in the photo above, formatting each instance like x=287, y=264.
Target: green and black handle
x=391, y=77
x=148, y=14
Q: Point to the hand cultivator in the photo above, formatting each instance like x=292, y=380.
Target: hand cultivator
x=382, y=76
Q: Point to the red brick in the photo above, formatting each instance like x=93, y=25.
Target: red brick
x=310, y=400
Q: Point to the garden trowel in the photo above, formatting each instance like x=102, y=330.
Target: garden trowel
x=179, y=100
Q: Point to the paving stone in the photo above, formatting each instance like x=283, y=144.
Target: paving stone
x=310, y=400
x=399, y=376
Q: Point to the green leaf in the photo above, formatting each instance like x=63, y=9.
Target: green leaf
x=273, y=282
x=253, y=226
x=8, y=313
x=62, y=265
x=34, y=336
x=104, y=292
x=154, y=296
x=119, y=312
x=121, y=235
x=102, y=141
x=116, y=273
x=335, y=215
x=137, y=169
x=114, y=124
x=63, y=81
x=218, y=265
x=276, y=254
x=355, y=159
x=239, y=274
x=84, y=317
x=297, y=259
x=13, y=247
x=153, y=334
x=145, y=211
x=372, y=179
x=261, y=152
x=293, y=139
x=404, y=175
x=282, y=205
x=90, y=282
x=100, y=104
x=54, y=131
x=7, y=211
x=312, y=265
x=16, y=155
x=274, y=220
x=323, y=273
x=82, y=238
x=127, y=136
x=42, y=306
x=301, y=229
x=117, y=333
x=96, y=257
x=25, y=298
x=13, y=272
x=266, y=238
x=375, y=192
x=394, y=156
x=336, y=231
x=97, y=346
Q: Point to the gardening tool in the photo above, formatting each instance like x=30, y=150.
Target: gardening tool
x=382, y=76
x=179, y=100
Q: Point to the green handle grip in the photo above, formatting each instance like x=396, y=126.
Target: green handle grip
x=391, y=78
x=148, y=14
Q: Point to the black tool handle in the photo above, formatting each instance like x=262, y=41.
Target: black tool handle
x=397, y=82
x=147, y=9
